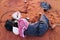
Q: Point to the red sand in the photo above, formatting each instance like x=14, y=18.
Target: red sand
x=33, y=11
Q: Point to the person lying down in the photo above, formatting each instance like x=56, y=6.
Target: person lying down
x=21, y=26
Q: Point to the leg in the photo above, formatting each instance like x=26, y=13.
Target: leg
x=44, y=25
x=32, y=30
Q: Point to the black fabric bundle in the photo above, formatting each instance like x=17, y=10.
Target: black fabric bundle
x=10, y=23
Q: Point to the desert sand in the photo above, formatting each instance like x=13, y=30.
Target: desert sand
x=33, y=10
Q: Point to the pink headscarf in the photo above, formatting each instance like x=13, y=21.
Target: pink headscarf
x=22, y=26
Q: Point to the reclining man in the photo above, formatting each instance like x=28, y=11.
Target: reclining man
x=25, y=28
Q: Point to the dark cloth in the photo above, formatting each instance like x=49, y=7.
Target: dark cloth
x=32, y=30
x=39, y=28
x=15, y=24
x=9, y=24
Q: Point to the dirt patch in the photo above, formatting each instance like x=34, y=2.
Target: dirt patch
x=33, y=11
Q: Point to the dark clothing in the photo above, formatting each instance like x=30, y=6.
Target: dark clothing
x=15, y=24
x=39, y=28
x=9, y=24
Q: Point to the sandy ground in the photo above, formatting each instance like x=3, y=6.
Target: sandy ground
x=33, y=11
